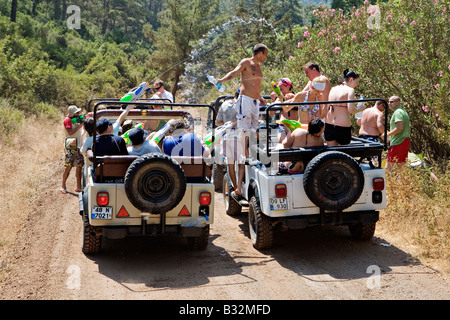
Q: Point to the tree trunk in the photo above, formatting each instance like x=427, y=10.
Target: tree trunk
x=13, y=10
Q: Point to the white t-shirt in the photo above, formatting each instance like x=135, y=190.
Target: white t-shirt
x=147, y=147
x=165, y=95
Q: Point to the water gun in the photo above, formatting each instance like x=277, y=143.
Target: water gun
x=126, y=134
x=291, y=124
x=162, y=132
x=219, y=133
x=277, y=90
x=136, y=93
x=79, y=119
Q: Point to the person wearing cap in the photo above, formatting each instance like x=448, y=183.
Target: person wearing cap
x=73, y=157
x=285, y=86
x=139, y=144
x=106, y=143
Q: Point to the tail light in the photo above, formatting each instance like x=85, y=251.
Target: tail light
x=102, y=198
x=378, y=184
x=205, y=199
x=280, y=190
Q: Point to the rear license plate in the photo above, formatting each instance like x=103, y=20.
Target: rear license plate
x=279, y=203
x=103, y=213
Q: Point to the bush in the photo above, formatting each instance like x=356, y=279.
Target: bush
x=10, y=120
x=398, y=48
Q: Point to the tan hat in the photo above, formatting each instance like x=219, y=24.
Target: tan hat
x=73, y=109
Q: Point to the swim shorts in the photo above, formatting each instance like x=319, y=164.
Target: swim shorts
x=342, y=135
x=73, y=158
x=370, y=138
x=247, y=110
x=399, y=152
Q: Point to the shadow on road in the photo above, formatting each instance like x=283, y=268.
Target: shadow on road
x=330, y=250
x=162, y=263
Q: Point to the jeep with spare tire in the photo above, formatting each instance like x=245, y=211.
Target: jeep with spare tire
x=340, y=185
x=148, y=195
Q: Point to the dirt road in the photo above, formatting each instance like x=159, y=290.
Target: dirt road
x=46, y=262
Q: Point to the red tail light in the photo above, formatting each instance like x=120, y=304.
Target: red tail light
x=205, y=199
x=102, y=198
x=280, y=190
x=378, y=184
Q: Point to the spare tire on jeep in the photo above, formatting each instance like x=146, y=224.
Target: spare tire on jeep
x=333, y=180
x=155, y=183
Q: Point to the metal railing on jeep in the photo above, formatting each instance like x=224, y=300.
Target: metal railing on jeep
x=360, y=148
x=114, y=167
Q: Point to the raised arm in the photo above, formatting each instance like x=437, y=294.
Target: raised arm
x=232, y=74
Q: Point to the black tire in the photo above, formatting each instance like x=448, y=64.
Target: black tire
x=362, y=231
x=200, y=242
x=260, y=227
x=333, y=180
x=232, y=207
x=218, y=172
x=92, y=240
x=155, y=183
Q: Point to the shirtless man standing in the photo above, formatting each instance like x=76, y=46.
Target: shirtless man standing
x=372, y=122
x=247, y=105
x=338, y=128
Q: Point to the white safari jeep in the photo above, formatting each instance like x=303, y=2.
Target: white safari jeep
x=153, y=194
x=341, y=185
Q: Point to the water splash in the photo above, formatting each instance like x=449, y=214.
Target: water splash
x=202, y=61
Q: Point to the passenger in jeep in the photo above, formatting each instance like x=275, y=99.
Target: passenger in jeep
x=106, y=142
x=182, y=142
x=338, y=127
x=304, y=138
x=139, y=143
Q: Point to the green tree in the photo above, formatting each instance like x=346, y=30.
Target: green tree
x=182, y=23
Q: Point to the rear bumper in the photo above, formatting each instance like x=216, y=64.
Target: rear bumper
x=330, y=218
x=150, y=230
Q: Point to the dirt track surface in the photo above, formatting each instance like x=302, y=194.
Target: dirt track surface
x=46, y=262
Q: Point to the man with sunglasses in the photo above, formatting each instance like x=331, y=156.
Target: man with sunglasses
x=160, y=92
x=400, y=133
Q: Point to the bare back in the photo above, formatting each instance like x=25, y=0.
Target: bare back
x=339, y=113
x=372, y=122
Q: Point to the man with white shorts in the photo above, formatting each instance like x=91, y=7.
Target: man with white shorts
x=247, y=108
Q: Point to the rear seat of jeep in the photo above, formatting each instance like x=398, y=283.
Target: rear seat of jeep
x=113, y=169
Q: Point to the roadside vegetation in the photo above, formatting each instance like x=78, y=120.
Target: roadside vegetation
x=399, y=48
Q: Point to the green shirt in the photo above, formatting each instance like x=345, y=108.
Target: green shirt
x=400, y=115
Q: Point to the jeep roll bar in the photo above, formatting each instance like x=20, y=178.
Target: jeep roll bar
x=141, y=106
x=367, y=148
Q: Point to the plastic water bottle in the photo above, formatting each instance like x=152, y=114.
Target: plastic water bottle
x=219, y=85
x=360, y=105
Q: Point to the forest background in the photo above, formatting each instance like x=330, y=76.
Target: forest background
x=54, y=53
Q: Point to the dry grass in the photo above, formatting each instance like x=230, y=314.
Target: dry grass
x=25, y=163
x=417, y=215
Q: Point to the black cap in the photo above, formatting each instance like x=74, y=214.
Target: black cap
x=103, y=124
x=137, y=136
